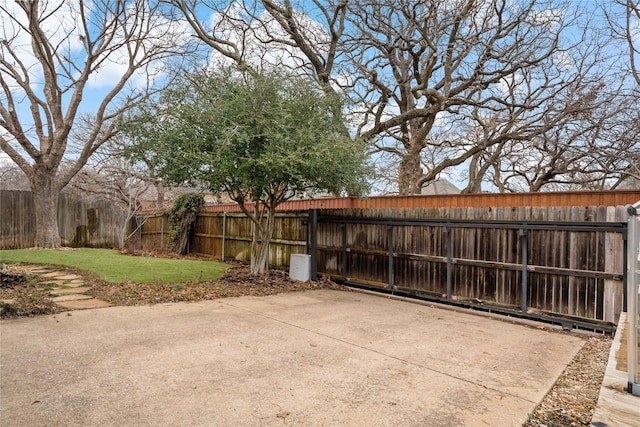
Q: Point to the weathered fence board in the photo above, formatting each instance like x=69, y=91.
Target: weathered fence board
x=153, y=232
x=480, y=200
x=17, y=220
x=82, y=222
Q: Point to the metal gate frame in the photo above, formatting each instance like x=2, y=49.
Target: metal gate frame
x=633, y=300
x=448, y=224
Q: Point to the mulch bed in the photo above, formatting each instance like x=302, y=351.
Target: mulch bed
x=237, y=281
x=9, y=280
x=20, y=297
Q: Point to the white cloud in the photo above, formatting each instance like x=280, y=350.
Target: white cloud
x=60, y=27
x=5, y=159
x=635, y=29
x=19, y=41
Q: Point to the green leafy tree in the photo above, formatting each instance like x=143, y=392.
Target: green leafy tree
x=261, y=138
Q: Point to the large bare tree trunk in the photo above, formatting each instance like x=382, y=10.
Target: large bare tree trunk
x=45, y=198
x=410, y=173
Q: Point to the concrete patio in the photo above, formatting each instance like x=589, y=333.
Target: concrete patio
x=309, y=358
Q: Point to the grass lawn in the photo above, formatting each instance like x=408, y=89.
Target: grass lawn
x=110, y=265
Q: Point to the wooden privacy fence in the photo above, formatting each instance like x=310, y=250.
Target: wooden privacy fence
x=82, y=222
x=531, y=261
x=556, y=260
x=227, y=235
x=477, y=200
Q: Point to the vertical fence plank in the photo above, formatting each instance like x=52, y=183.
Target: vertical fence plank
x=612, y=303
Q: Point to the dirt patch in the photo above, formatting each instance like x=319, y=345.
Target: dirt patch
x=23, y=295
x=20, y=296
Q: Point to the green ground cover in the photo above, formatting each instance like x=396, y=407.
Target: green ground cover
x=112, y=266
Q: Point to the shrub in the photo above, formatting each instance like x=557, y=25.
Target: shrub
x=182, y=216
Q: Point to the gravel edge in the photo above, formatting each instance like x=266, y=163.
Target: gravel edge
x=573, y=398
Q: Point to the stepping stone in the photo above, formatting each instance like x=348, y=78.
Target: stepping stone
x=27, y=270
x=64, y=283
x=79, y=290
x=57, y=283
x=75, y=283
x=33, y=268
x=84, y=304
x=34, y=273
x=51, y=274
x=69, y=277
x=71, y=297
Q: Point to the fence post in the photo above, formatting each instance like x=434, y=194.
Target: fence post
x=525, y=265
x=139, y=222
x=224, y=232
x=625, y=266
x=447, y=230
x=632, y=279
x=343, y=228
x=162, y=232
x=313, y=242
x=390, y=251
x=612, y=299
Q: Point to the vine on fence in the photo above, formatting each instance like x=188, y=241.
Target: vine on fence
x=182, y=216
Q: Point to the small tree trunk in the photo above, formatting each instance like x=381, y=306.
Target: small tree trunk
x=262, y=260
x=255, y=247
x=45, y=198
x=260, y=249
x=160, y=194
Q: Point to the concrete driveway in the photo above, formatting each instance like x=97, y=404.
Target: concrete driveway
x=318, y=358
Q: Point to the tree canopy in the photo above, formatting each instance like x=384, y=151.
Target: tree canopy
x=260, y=138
